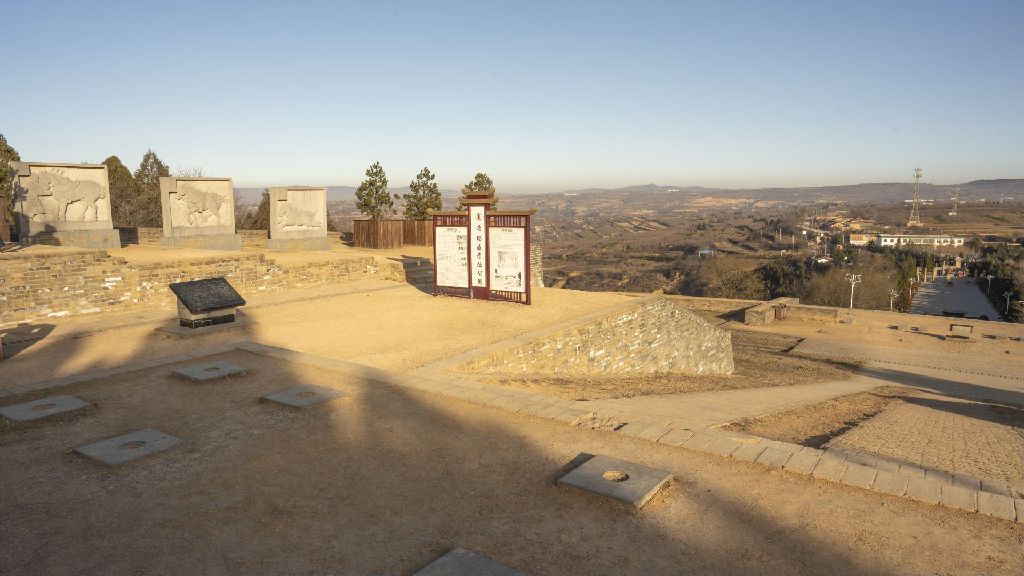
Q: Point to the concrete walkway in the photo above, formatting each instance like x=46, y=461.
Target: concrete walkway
x=936, y=296
x=711, y=409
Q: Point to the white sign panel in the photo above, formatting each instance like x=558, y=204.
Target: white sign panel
x=508, y=259
x=478, y=241
x=452, y=248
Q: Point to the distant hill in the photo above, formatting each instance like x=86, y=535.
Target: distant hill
x=334, y=193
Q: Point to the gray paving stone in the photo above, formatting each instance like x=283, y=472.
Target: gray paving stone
x=887, y=465
x=859, y=475
x=996, y=505
x=654, y=432
x=462, y=562
x=43, y=408
x=924, y=489
x=996, y=488
x=303, y=396
x=208, y=371
x=676, y=437
x=626, y=482
x=748, y=452
x=774, y=457
x=551, y=411
x=699, y=441
x=571, y=415
x=911, y=471
x=890, y=483
x=803, y=461
x=723, y=446
x=633, y=429
x=959, y=497
x=965, y=481
x=830, y=467
x=121, y=449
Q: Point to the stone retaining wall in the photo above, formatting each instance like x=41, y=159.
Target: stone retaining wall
x=35, y=287
x=652, y=335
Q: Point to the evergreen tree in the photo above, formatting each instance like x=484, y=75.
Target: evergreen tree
x=423, y=196
x=124, y=192
x=260, y=219
x=372, y=197
x=147, y=210
x=7, y=154
x=480, y=183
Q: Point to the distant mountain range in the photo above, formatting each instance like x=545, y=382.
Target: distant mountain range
x=865, y=192
x=334, y=193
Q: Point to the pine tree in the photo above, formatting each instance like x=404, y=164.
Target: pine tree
x=423, y=196
x=124, y=192
x=260, y=219
x=7, y=154
x=481, y=183
x=147, y=210
x=372, y=197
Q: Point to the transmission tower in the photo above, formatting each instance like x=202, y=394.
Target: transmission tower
x=956, y=198
x=915, y=209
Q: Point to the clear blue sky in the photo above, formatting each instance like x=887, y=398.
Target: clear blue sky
x=543, y=96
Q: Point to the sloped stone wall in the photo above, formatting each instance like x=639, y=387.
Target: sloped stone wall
x=653, y=335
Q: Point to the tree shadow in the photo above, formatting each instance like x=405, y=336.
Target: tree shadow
x=952, y=388
x=382, y=481
x=17, y=339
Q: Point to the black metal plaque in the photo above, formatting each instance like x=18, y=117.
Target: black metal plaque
x=206, y=295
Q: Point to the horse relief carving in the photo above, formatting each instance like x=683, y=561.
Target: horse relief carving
x=57, y=190
x=201, y=208
x=292, y=218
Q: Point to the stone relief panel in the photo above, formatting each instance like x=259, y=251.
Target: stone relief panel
x=60, y=194
x=299, y=211
x=201, y=204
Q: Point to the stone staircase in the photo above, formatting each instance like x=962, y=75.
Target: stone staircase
x=418, y=271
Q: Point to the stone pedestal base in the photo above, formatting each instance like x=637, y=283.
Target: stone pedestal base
x=296, y=244
x=207, y=242
x=103, y=239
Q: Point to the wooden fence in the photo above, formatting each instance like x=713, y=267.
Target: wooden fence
x=418, y=232
x=377, y=233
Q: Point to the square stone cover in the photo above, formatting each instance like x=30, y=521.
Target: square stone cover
x=626, y=482
x=42, y=408
x=303, y=396
x=208, y=371
x=462, y=562
x=121, y=449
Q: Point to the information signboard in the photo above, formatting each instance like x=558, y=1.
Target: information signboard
x=478, y=241
x=451, y=245
x=508, y=259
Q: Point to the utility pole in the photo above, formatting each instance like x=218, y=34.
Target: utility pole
x=915, y=209
x=1007, y=295
x=989, y=277
x=853, y=279
x=892, y=297
x=956, y=198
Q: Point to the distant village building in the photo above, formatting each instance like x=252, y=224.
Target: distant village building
x=859, y=239
x=924, y=240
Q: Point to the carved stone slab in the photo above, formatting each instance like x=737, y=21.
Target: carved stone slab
x=121, y=449
x=298, y=212
x=624, y=481
x=42, y=408
x=68, y=202
x=208, y=371
x=303, y=396
x=462, y=562
x=207, y=295
x=197, y=206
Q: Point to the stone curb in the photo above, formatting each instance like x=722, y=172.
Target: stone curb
x=867, y=472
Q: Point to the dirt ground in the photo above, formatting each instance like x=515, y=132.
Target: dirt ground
x=816, y=424
x=386, y=479
x=761, y=360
